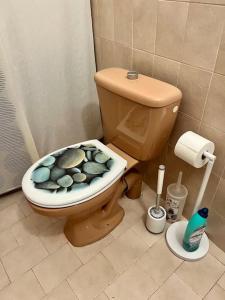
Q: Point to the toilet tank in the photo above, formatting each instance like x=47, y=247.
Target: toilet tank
x=138, y=115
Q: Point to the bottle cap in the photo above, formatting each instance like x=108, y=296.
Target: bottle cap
x=203, y=212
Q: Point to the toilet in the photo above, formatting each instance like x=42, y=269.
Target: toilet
x=84, y=181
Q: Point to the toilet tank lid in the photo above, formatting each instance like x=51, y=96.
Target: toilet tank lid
x=144, y=90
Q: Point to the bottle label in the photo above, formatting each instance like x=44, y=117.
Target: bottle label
x=172, y=208
x=196, y=236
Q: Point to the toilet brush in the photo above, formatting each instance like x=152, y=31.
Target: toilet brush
x=156, y=215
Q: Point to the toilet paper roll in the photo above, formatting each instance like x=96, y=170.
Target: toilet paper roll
x=191, y=147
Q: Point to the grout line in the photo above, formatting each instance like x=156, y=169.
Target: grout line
x=193, y=2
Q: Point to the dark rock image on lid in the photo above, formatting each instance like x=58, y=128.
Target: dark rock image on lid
x=71, y=169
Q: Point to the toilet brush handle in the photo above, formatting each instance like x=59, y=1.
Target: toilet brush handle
x=161, y=173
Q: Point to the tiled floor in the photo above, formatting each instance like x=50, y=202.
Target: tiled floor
x=37, y=262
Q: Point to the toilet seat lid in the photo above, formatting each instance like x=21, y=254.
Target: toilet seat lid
x=34, y=182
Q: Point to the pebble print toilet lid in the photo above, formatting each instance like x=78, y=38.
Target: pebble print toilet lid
x=72, y=175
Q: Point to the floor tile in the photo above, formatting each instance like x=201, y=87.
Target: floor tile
x=125, y=250
x=221, y=282
x=201, y=275
x=9, y=216
x=25, y=207
x=102, y=296
x=130, y=218
x=132, y=285
x=23, y=258
x=175, y=289
x=87, y=252
x=24, y=231
x=53, y=237
x=61, y=292
x=11, y=198
x=7, y=242
x=216, y=293
x=41, y=222
x=140, y=229
x=25, y=288
x=92, y=278
x=4, y=280
x=56, y=267
x=216, y=252
x=159, y=262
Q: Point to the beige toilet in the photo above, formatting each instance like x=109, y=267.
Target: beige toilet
x=138, y=115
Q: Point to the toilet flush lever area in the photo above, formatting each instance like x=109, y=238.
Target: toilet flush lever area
x=132, y=75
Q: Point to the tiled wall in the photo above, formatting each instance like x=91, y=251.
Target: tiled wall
x=183, y=43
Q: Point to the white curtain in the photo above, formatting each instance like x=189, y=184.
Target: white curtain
x=48, y=45
x=47, y=53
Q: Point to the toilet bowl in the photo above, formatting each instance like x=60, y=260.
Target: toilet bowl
x=84, y=181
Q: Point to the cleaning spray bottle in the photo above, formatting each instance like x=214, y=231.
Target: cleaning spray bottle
x=195, y=229
x=175, y=200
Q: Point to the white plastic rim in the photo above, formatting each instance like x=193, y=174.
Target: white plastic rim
x=174, y=239
x=155, y=225
x=45, y=199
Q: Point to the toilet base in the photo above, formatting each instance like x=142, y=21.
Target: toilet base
x=94, y=228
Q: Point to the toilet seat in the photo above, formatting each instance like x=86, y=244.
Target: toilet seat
x=64, y=198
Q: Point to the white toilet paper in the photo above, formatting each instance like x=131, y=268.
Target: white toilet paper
x=190, y=147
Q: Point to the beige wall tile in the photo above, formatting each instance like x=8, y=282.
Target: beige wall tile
x=132, y=285
x=7, y=242
x=23, y=258
x=61, y=292
x=107, y=59
x=123, y=22
x=220, y=62
x=201, y=275
x=166, y=69
x=175, y=289
x=217, y=137
x=144, y=24
x=183, y=123
x=56, y=267
x=216, y=229
x=193, y=183
x=85, y=253
x=9, y=216
x=123, y=56
x=203, y=34
x=95, y=17
x=194, y=84
x=216, y=293
x=92, y=278
x=142, y=62
x=215, y=106
x=4, y=280
x=25, y=288
x=106, y=19
x=125, y=250
x=171, y=29
x=219, y=200
x=159, y=262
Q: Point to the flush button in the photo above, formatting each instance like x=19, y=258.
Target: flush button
x=175, y=109
x=132, y=75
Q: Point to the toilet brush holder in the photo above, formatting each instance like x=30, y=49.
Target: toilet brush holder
x=156, y=215
x=155, y=221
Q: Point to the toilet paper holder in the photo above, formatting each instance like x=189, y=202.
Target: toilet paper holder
x=175, y=233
